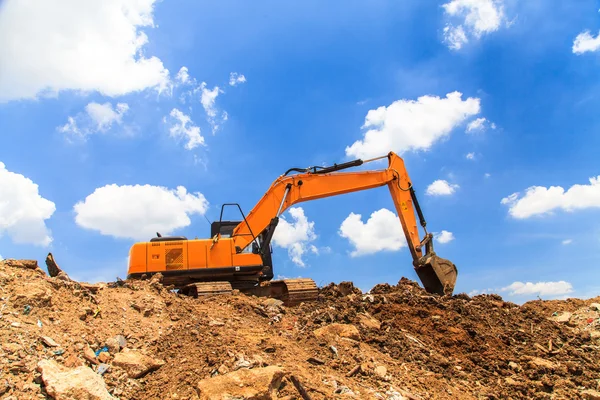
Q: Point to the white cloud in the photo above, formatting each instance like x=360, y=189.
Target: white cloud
x=444, y=237
x=96, y=118
x=381, y=232
x=441, y=187
x=138, y=211
x=539, y=200
x=295, y=236
x=235, y=78
x=81, y=45
x=104, y=115
x=22, y=210
x=183, y=76
x=477, y=125
x=487, y=175
x=455, y=37
x=475, y=18
x=409, y=125
x=208, y=98
x=470, y=156
x=183, y=128
x=585, y=42
x=567, y=241
x=539, y=288
x=1, y=258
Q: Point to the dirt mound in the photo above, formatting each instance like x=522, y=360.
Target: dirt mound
x=145, y=341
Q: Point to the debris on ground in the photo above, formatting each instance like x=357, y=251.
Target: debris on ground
x=125, y=340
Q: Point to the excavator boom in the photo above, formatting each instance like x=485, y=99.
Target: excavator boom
x=238, y=253
x=437, y=275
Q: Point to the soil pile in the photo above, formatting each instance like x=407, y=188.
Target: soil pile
x=140, y=340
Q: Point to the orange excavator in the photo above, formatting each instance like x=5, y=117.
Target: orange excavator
x=238, y=254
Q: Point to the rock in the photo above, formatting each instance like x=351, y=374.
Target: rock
x=121, y=340
x=78, y=383
x=595, y=334
x=514, y=366
x=89, y=355
x=4, y=387
x=257, y=384
x=563, y=318
x=27, y=264
x=272, y=302
x=135, y=363
x=156, y=280
x=223, y=369
x=53, y=268
x=48, y=341
x=103, y=357
x=595, y=307
x=368, y=322
x=542, y=363
x=335, y=329
x=113, y=345
x=381, y=371
x=590, y=395
x=345, y=288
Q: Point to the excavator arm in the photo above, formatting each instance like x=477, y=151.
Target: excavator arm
x=438, y=275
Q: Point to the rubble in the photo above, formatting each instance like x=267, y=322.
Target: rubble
x=79, y=383
x=138, y=340
x=135, y=363
x=258, y=383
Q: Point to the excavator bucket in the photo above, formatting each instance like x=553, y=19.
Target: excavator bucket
x=437, y=274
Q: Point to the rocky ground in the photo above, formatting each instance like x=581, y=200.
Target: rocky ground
x=62, y=339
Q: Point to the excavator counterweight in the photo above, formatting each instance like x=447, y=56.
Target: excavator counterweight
x=238, y=253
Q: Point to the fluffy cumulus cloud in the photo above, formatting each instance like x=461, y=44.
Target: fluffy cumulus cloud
x=585, y=42
x=23, y=211
x=183, y=128
x=471, y=19
x=235, y=79
x=381, y=232
x=441, y=187
x=538, y=288
x=412, y=125
x=444, y=237
x=295, y=236
x=81, y=45
x=138, y=211
x=470, y=156
x=539, y=200
x=95, y=118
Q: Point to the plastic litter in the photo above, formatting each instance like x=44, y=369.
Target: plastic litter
x=102, y=368
x=97, y=352
x=27, y=309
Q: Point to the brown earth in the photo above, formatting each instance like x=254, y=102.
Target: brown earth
x=396, y=342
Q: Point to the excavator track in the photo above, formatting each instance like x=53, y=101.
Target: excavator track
x=206, y=289
x=294, y=291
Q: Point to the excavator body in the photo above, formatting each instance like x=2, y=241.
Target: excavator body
x=238, y=255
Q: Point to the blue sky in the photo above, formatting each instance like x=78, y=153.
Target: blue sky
x=503, y=97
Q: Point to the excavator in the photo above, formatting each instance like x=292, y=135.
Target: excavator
x=238, y=254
